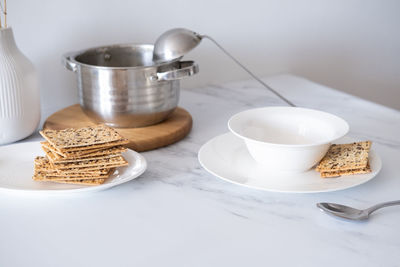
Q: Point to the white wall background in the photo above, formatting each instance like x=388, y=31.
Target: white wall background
x=351, y=45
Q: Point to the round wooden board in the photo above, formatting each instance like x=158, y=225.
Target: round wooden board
x=175, y=128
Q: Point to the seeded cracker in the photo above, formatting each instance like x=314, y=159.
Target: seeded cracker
x=44, y=176
x=347, y=172
x=54, y=156
x=82, y=137
x=345, y=159
x=85, y=156
x=82, y=182
x=342, y=157
x=43, y=166
x=54, y=160
x=38, y=176
x=93, y=164
x=89, y=149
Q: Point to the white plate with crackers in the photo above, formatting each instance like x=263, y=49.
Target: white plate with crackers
x=227, y=157
x=70, y=161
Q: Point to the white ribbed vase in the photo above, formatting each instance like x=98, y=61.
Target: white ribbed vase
x=19, y=91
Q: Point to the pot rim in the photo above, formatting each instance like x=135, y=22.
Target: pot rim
x=70, y=56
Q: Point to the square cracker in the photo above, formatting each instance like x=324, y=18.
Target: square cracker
x=79, y=182
x=55, y=156
x=57, y=173
x=54, y=160
x=346, y=172
x=93, y=163
x=43, y=176
x=43, y=165
x=39, y=175
x=345, y=157
x=84, y=150
x=83, y=137
x=91, y=148
x=73, y=154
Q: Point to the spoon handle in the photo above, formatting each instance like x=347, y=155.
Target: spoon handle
x=382, y=205
x=248, y=71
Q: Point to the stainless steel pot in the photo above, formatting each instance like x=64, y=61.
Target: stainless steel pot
x=121, y=86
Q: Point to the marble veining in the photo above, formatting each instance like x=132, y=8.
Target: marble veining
x=177, y=214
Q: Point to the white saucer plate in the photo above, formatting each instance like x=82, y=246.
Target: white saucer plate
x=16, y=170
x=226, y=157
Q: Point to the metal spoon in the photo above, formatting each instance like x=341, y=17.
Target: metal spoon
x=352, y=213
x=177, y=42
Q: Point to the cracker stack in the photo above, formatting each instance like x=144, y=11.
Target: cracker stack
x=86, y=156
x=345, y=159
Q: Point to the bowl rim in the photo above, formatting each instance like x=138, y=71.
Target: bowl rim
x=345, y=125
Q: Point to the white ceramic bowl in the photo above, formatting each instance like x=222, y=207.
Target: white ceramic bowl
x=287, y=139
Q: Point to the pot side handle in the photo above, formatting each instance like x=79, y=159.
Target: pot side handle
x=68, y=63
x=186, y=69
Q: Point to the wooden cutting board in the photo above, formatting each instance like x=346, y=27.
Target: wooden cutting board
x=175, y=128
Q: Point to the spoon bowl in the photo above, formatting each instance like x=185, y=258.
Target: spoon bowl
x=352, y=213
x=343, y=211
x=174, y=44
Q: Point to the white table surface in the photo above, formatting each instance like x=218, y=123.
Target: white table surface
x=176, y=214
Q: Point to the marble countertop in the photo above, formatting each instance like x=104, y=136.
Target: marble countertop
x=177, y=214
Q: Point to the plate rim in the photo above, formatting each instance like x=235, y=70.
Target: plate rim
x=376, y=156
x=83, y=188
